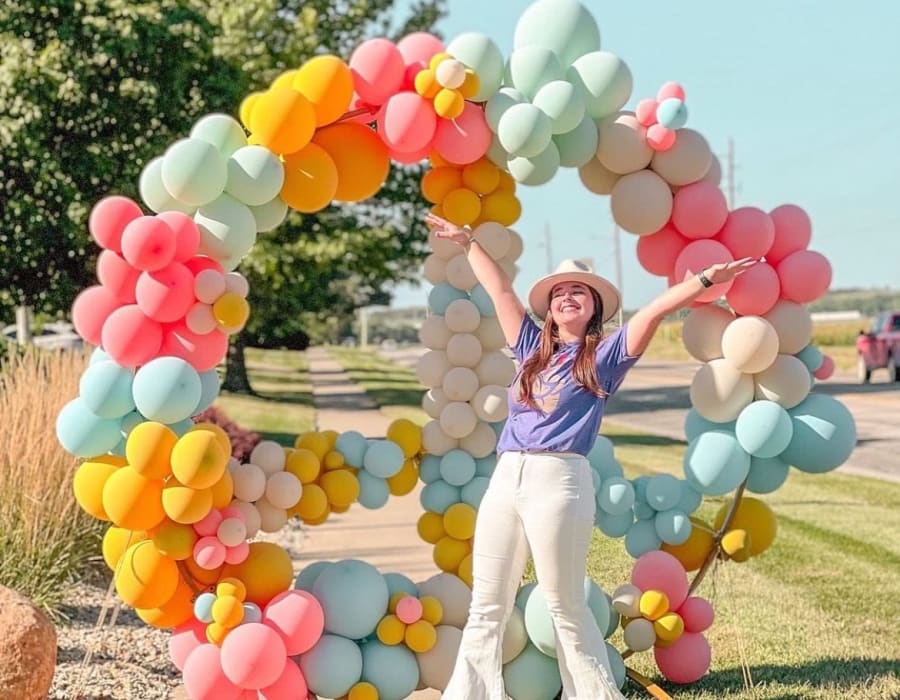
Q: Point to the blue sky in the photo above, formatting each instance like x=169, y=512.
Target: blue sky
x=809, y=90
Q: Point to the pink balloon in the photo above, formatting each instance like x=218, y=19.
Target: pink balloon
x=465, y=139
x=419, y=46
x=660, y=571
x=204, y=678
x=748, y=233
x=659, y=138
x=410, y=158
x=378, y=68
x=298, y=617
x=687, y=660
x=805, y=276
x=699, y=210
x=108, y=220
x=238, y=553
x=409, y=75
x=409, y=610
x=187, y=235
x=291, y=685
x=670, y=89
x=209, y=553
x=199, y=263
x=90, y=310
x=203, y=352
x=755, y=292
x=148, y=243
x=166, y=295
x=117, y=275
x=210, y=524
x=646, y=111
x=793, y=231
x=697, y=613
x=658, y=251
x=233, y=512
x=253, y=656
x=130, y=338
x=698, y=255
x=407, y=122
x=184, y=640
x=826, y=369
x=367, y=117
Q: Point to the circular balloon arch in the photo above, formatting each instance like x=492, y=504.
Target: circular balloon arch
x=184, y=514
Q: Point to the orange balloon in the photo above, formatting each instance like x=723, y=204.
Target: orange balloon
x=310, y=179
x=146, y=579
x=507, y=182
x=246, y=108
x=198, y=460
x=219, y=431
x=481, y=177
x=133, y=501
x=186, y=505
x=282, y=120
x=89, y=482
x=501, y=206
x=202, y=577
x=116, y=540
x=361, y=158
x=325, y=81
x=437, y=183
x=223, y=491
x=176, y=611
x=266, y=572
x=148, y=448
x=461, y=206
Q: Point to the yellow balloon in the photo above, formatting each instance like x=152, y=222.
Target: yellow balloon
x=431, y=527
x=231, y=587
x=231, y=310
x=174, y=540
x=461, y=206
x=426, y=84
x=459, y=521
x=390, y=630
x=432, y=610
x=449, y=104
x=324, y=516
x=501, y=206
x=693, y=552
x=227, y=611
x=132, y=501
x=186, y=505
x=317, y=443
x=481, y=177
x=327, y=83
x=449, y=552
x=285, y=80
x=420, y=636
x=174, y=612
x=247, y=105
x=754, y=516
x=669, y=627
x=89, y=481
x=738, y=544
x=223, y=491
x=404, y=481
x=437, y=183
x=116, y=540
x=219, y=431
x=282, y=120
x=653, y=604
x=313, y=504
x=146, y=579
x=303, y=464
x=202, y=577
x=216, y=633
x=310, y=179
x=471, y=85
x=148, y=449
x=407, y=435
x=363, y=691
x=198, y=460
x=333, y=460
x=330, y=437
x=465, y=570
x=396, y=598
x=341, y=487
x=361, y=158
x=507, y=182
x=266, y=572
x=437, y=59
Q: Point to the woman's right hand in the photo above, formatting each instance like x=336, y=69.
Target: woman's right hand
x=447, y=230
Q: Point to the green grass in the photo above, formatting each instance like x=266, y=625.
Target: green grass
x=283, y=407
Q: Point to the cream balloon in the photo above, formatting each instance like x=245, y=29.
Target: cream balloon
x=750, y=344
x=454, y=595
x=490, y=403
x=283, y=490
x=435, y=269
x=494, y=238
x=510, y=269
x=268, y=455
x=462, y=316
x=490, y=334
x=719, y=392
x=495, y=368
x=442, y=247
x=639, y=635
x=459, y=273
x=626, y=600
x=703, y=330
x=516, y=246
x=641, y=202
x=450, y=73
x=434, y=333
x=431, y=368
x=793, y=324
x=435, y=440
x=464, y=350
x=458, y=419
x=623, y=146
x=252, y=518
x=271, y=517
x=460, y=384
x=686, y=162
x=786, y=381
x=597, y=177
x=515, y=636
x=714, y=174
x=433, y=402
x=436, y=664
x=249, y=482
x=480, y=442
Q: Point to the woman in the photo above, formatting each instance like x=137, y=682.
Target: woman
x=541, y=495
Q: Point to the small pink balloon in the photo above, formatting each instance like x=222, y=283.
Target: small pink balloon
x=148, y=243
x=166, y=295
x=108, y=220
x=208, y=526
x=465, y=139
x=659, y=138
x=658, y=251
x=378, y=68
x=660, y=571
x=409, y=610
x=204, y=677
x=793, y=231
x=198, y=263
x=419, y=46
x=699, y=255
x=209, y=553
x=748, y=233
x=826, y=369
x=90, y=311
x=200, y=318
x=366, y=117
x=117, y=275
x=237, y=554
x=130, y=338
x=184, y=640
x=697, y=613
x=233, y=512
x=298, y=617
x=409, y=76
x=699, y=210
x=670, y=89
x=291, y=685
x=231, y=532
x=410, y=158
x=805, y=276
x=187, y=235
x=646, y=111
x=754, y=292
x=253, y=656
x=686, y=661
x=203, y=352
x=407, y=122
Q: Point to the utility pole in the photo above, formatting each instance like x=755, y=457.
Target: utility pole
x=729, y=173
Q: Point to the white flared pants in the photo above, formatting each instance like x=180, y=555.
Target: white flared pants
x=544, y=501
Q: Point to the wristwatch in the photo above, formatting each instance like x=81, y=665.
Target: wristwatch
x=704, y=280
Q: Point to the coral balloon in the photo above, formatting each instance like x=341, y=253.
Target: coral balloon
x=407, y=122
x=130, y=337
x=204, y=677
x=464, y=139
x=360, y=156
x=699, y=210
x=793, y=231
x=117, y=276
x=108, y=220
x=748, y=233
x=298, y=618
x=377, y=68
x=755, y=291
x=804, y=275
x=696, y=257
x=166, y=295
x=90, y=311
x=660, y=571
x=658, y=251
x=686, y=660
x=148, y=243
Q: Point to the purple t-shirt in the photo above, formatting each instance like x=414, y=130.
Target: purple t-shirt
x=569, y=415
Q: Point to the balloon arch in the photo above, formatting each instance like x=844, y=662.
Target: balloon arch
x=183, y=513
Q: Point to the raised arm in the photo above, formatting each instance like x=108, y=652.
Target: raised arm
x=510, y=310
x=644, y=323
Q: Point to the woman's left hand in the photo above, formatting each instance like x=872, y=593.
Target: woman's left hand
x=725, y=272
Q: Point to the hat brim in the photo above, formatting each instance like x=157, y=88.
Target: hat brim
x=539, y=294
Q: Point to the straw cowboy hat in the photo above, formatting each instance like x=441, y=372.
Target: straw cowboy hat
x=573, y=271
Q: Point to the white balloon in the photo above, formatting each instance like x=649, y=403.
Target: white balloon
x=459, y=273
x=458, y=419
x=720, y=392
x=460, y=384
x=434, y=333
x=436, y=441
x=433, y=402
x=200, y=319
x=269, y=456
x=209, y=285
x=462, y=316
x=464, y=350
x=431, y=368
x=490, y=403
x=786, y=381
x=480, y=442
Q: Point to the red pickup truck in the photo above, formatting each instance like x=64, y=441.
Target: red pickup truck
x=879, y=348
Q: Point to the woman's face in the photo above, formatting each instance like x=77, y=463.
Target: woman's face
x=571, y=304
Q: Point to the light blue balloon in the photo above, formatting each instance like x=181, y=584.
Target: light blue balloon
x=482, y=300
x=715, y=463
x=119, y=449
x=430, y=468
x=562, y=103
x=824, y=435
x=269, y=216
x=391, y=669
x=617, y=664
x=383, y=459
x=352, y=445
x=640, y=488
x=481, y=54
x=332, y=666
x=604, y=80
x=130, y=422
x=227, y=230
x=614, y=618
x=642, y=538
x=99, y=355
x=209, y=390
x=194, y=172
x=473, y=492
x=222, y=132
x=643, y=510
x=766, y=475
x=252, y=613
x=602, y=457
x=523, y=594
x=690, y=498
x=155, y=194
x=539, y=624
x=538, y=170
x=457, y=467
x=167, y=389
x=532, y=676
x=616, y=496
x=614, y=525
x=811, y=356
x=442, y=295
x=255, y=175
x=578, y=146
x=496, y=107
x=695, y=424
x=672, y=113
x=398, y=582
x=438, y=496
x=203, y=607
x=354, y=597
x=105, y=388
x=663, y=491
x=374, y=491
x=531, y=67
x=764, y=429
x=181, y=427
x=524, y=130
x=565, y=26
x=497, y=154
x=484, y=466
x=497, y=427
x=308, y=575
x=673, y=526
x=83, y=433
x=598, y=603
x=596, y=481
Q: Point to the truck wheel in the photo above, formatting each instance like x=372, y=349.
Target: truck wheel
x=863, y=373
x=893, y=370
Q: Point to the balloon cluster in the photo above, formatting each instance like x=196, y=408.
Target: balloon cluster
x=411, y=621
x=448, y=83
x=473, y=194
x=663, y=116
x=222, y=537
x=225, y=609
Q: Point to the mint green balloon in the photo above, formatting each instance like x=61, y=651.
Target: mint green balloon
x=539, y=624
x=269, y=216
x=398, y=582
x=537, y=170
x=824, y=434
x=764, y=429
x=354, y=597
x=497, y=154
x=481, y=54
x=604, y=80
x=194, y=172
x=614, y=525
x=221, y=131
x=531, y=67
x=563, y=103
x=766, y=475
x=578, y=146
x=227, y=229
x=154, y=192
x=255, y=175
x=563, y=26
x=523, y=594
x=499, y=102
x=616, y=496
x=695, y=424
x=438, y=496
x=532, y=676
x=524, y=130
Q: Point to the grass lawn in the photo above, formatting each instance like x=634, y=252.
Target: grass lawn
x=283, y=407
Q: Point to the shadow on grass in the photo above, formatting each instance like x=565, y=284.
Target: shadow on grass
x=302, y=398
x=283, y=439
x=624, y=440
x=390, y=396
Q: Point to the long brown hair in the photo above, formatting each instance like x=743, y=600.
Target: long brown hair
x=585, y=367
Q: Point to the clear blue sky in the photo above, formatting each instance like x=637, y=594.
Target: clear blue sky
x=808, y=89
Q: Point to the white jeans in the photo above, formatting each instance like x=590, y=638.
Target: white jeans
x=544, y=500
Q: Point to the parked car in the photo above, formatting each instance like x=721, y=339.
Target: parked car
x=879, y=348
x=57, y=335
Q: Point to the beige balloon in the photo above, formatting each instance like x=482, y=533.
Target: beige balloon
x=597, y=178
x=687, y=161
x=458, y=419
x=623, y=146
x=490, y=403
x=719, y=392
x=434, y=333
x=494, y=238
x=433, y=402
x=283, y=490
x=714, y=174
x=462, y=316
x=249, y=482
x=750, y=344
x=510, y=269
x=454, y=595
x=459, y=273
x=271, y=518
x=464, y=350
x=703, y=330
x=252, y=518
x=786, y=382
x=442, y=247
x=639, y=634
x=495, y=368
x=626, y=600
x=490, y=334
x=515, y=636
x=460, y=384
x=480, y=442
x=435, y=269
x=641, y=202
x=436, y=664
x=268, y=455
x=793, y=324
x=435, y=440
x=431, y=367
x=516, y=246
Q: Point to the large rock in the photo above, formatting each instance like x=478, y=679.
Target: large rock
x=27, y=648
